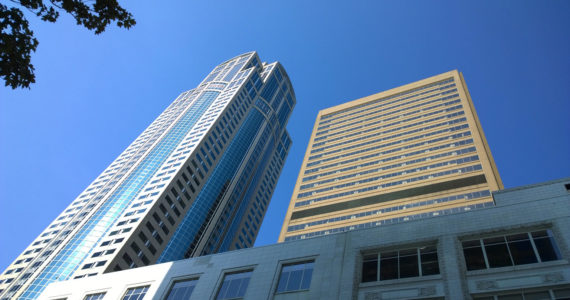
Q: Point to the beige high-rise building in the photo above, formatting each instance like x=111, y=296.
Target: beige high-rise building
x=412, y=152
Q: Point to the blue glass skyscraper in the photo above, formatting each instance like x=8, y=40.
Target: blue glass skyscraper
x=197, y=181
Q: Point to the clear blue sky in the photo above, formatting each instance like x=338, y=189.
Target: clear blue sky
x=95, y=94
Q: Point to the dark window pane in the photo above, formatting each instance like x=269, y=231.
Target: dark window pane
x=306, y=283
x=511, y=297
x=234, y=285
x=522, y=252
x=282, y=286
x=562, y=294
x=370, y=270
x=388, y=254
x=243, y=287
x=152, y=249
x=233, y=288
x=517, y=237
x=547, y=248
x=97, y=296
x=498, y=255
x=135, y=293
x=408, y=252
x=428, y=249
x=540, y=233
x=223, y=289
x=537, y=296
x=295, y=277
x=409, y=266
x=182, y=290
x=388, y=268
x=493, y=241
x=430, y=265
x=474, y=258
x=295, y=280
x=474, y=243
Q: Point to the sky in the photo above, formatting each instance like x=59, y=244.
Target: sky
x=96, y=93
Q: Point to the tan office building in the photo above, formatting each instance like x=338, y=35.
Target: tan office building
x=412, y=152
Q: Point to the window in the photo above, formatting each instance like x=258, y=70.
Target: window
x=295, y=277
x=515, y=249
x=129, y=261
x=97, y=296
x=558, y=294
x=136, y=293
x=388, y=265
x=234, y=285
x=182, y=289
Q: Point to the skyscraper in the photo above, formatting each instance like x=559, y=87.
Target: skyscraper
x=197, y=181
x=412, y=152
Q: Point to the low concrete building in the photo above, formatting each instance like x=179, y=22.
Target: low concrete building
x=517, y=249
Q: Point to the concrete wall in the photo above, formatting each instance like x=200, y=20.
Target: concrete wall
x=338, y=258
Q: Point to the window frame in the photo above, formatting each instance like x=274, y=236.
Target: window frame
x=135, y=286
x=398, y=249
x=552, y=292
x=504, y=235
x=174, y=280
x=94, y=293
x=282, y=264
x=227, y=272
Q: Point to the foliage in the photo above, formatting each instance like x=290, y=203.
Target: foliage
x=17, y=41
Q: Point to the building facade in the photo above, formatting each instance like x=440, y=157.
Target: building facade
x=197, y=181
x=517, y=249
x=411, y=152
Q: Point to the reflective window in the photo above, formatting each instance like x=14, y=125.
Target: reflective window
x=234, y=285
x=388, y=265
x=182, y=290
x=295, y=277
x=509, y=250
x=97, y=296
x=136, y=293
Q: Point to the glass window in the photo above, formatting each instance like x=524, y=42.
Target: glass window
x=429, y=263
x=295, y=277
x=234, y=285
x=562, y=294
x=408, y=261
x=521, y=249
x=509, y=250
x=559, y=294
x=510, y=297
x=97, y=296
x=389, y=265
x=473, y=253
x=497, y=252
x=370, y=268
x=545, y=245
x=136, y=293
x=182, y=290
x=412, y=262
x=537, y=295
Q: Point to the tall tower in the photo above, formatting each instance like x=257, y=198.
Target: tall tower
x=197, y=181
x=411, y=152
